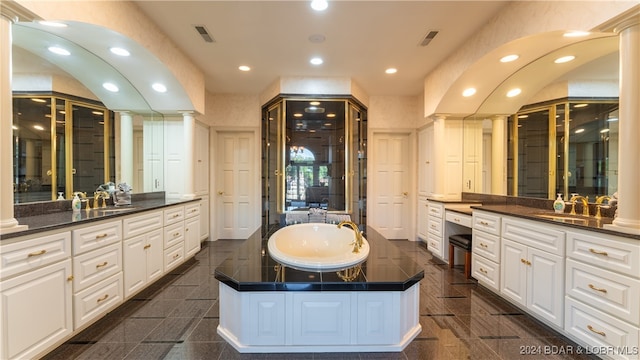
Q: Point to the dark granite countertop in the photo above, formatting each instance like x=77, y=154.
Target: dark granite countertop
x=571, y=221
x=387, y=268
x=61, y=218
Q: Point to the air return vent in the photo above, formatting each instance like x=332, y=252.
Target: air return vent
x=204, y=33
x=427, y=39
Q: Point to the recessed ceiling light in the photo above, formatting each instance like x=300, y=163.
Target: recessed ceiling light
x=391, y=71
x=314, y=103
x=316, y=61
x=297, y=115
x=97, y=113
x=120, y=51
x=468, y=92
x=59, y=51
x=52, y=24
x=509, y=58
x=580, y=105
x=110, y=87
x=523, y=116
x=38, y=127
x=564, y=59
x=159, y=87
x=331, y=115
x=604, y=131
x=38, y=100
x=578, y=131
x=319, y=5
x=514, y=92
x=14, y=127
x=576, y=33
x=244, y=68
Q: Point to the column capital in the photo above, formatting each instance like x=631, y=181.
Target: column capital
x=623, y=21
x=15, y=12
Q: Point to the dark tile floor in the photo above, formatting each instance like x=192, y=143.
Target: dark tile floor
x=176, y=318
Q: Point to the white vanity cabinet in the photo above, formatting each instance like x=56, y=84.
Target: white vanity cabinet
x=485, y=259
x=174, y=253
x=435, y=228
x=532, y=268
x=602, y=290
x=192, y=229
x=36, y=294
x=143, y=250
x=97, y=270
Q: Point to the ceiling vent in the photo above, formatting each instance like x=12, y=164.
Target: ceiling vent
x=204, y=33
x=427, y=39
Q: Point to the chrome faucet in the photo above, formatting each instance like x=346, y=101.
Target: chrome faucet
x=357, y=244
x=585, y=204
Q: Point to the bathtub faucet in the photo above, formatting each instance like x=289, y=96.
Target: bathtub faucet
x=357, y=244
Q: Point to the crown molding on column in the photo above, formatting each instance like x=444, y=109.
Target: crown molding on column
x=16, y=12
x=624, y=20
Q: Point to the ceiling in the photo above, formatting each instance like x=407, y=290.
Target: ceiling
x=362, y=39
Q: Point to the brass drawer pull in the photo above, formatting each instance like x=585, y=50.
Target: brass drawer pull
x=175, y=216
x=594, y=251
x=147, y=246
x=526, y=262
x=601, y=333
x=176, y=234
x=193, y=210
x=101, y=236
x=37, y=253
x=484, y=245
x=105, y=297
x=484, y=223
x=101, y=265
x=483, y=271
x=176, y=256
x=456, y=219
x=597, y=289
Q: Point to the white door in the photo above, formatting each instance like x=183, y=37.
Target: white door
x=391, y=185
x=235, y=185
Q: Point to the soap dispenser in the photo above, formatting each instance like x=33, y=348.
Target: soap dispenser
x=558, y=205
x=76, y=203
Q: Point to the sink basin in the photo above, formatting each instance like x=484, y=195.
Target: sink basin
x=113, y=209
x=565, y=218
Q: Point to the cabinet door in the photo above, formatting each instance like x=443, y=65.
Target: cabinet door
x=513, y=271
x=134, y=264
x=192, y=236
x=204, y=217
x=36, y=311
x=154, y=255
x=422, y=219
x=545, y=280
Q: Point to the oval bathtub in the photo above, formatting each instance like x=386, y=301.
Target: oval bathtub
x=316, y=247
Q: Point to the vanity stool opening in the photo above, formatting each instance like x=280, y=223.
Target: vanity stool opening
x=462, y=241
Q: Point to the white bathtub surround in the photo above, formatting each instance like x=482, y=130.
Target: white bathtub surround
x=319, y=321
x=316, y=246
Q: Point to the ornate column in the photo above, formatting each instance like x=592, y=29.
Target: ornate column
x=7, y=221
x=189, y=128
x=628, y=219
x=126, y=148
x=499, y=155
x=439, y=143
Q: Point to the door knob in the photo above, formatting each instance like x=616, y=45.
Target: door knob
x=405, y=193
x=220, y=192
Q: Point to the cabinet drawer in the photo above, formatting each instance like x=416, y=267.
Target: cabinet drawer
x=486, y=245
x=26, y=255
x=95, y=236
x=531, y=233
x=173, y=215
x=173, y=256
x=606, y=251
x=434, y=226
x=192, y=209
x=142, y=224
x=486, y=271
x=458, y=218
x=173, y=234
x=96, y=266
x=489, y=223
x=434, y=244
x=97, y=300
x=608, y=291
x=436, y=209
x=597, y=329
